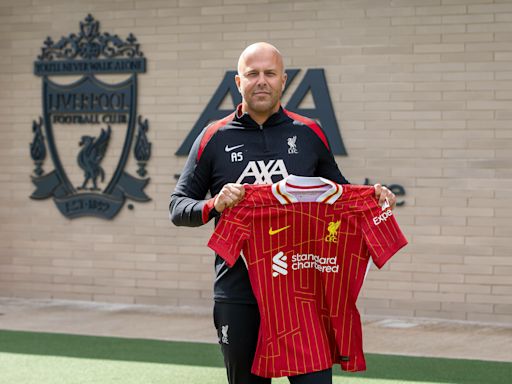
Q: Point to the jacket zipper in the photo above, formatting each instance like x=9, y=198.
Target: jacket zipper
x=265, y=146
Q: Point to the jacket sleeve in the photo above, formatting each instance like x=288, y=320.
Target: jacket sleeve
x=188, y=204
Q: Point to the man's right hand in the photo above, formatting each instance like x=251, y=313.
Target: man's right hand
x=229, y=196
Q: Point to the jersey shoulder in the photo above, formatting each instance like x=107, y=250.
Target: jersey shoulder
x=358, y=195
x=258, y=196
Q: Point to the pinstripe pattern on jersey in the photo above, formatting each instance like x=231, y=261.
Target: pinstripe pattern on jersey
x=309, y=318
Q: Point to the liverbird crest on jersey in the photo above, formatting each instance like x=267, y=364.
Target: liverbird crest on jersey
x=332, y=228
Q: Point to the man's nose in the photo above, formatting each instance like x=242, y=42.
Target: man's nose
x=262, y=79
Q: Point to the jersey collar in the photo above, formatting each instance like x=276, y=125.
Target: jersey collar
x=282, y=190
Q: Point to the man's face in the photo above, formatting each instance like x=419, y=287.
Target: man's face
x=261, y=81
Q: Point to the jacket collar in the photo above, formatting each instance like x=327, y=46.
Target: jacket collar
x=245, y=119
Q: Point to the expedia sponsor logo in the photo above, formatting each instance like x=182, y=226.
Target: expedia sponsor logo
x=382, y=217
x=309, y=260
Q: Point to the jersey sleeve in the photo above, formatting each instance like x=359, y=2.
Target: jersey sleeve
x=230, y=234
x=381, y=232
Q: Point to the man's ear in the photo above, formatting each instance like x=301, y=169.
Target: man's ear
x=237, y=82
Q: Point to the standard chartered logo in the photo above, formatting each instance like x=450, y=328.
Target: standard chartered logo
x=279, y=265
x=309, y=260
x=303, y=261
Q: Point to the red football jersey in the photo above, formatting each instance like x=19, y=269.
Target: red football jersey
x=306, y=242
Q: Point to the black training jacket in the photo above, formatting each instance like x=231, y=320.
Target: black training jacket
x=237, y=149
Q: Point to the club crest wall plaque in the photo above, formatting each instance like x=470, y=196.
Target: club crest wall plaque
x=89, y=122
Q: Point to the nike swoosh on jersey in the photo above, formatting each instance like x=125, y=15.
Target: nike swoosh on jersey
x=274, y=231
x=229, y=149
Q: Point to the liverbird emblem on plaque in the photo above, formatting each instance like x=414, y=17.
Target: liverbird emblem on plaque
x=88, y=124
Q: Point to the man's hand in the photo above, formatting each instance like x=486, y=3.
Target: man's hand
x=229, y=196
x=382, y=194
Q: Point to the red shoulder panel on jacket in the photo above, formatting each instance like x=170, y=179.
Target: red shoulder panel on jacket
x=210, y=131
x=311, y=124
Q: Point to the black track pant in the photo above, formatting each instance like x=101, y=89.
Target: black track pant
x=237, y=328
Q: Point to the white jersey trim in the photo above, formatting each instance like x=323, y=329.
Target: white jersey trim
x=283, y=189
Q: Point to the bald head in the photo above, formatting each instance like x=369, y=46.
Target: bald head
x=261, y=79
x=259, y=49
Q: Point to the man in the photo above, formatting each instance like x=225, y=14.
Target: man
x=260, y=142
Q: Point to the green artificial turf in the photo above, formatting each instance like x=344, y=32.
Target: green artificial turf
x=44, y=358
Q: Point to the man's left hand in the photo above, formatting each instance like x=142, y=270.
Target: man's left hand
x=382, y=194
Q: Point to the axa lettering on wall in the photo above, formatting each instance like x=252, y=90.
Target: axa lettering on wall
x=84, y=117
x=313, y=81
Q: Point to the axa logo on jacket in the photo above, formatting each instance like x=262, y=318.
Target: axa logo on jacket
x=261, y=171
